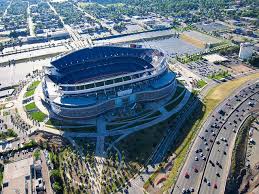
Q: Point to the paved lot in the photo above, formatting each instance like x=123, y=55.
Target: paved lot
x=204, y=68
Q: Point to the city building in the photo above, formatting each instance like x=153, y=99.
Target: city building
x=21, y=180
x=91, y=81
x=58, y=35
x=246, y=51
x=26, y=179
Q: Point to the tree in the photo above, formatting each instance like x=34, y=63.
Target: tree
x=56, y=187
x=36, y=154
x=1, y=47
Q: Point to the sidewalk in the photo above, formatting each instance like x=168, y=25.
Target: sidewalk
x=45, y=174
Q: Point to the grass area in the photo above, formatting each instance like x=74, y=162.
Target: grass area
x=31, y=143
x=36, y=154
x=172, y=105
x=30, y=106
x=178, y=91
x=219, y=75
x=201, y=83
x=183, y=143
x=8, y=134
x=113, y=126
x=155, y=114
x=1, y=175
x=139, y=123
x=189, y=58
x=38, y=116
x=140, y=145
x=34, y=85
x=239, y=151
x=29, y=93
x=57, y=122
x=220, y=92
x=31, y=89
x=81, y=129
x=142, y=114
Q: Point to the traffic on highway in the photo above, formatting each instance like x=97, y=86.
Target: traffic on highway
x=208, y=162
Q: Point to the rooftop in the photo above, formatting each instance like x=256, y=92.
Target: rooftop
x=17, y=176
x=215, y=58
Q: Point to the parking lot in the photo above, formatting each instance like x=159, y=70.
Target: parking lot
x=204, y=68
x=18, y=155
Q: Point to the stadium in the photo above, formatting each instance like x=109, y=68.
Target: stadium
x=91, y=81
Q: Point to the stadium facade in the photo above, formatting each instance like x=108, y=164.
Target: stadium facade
x=91, y=81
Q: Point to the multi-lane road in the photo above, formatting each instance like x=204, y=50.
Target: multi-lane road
x=208, y=163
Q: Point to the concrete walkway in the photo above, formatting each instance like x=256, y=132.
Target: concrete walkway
x=38, y=95
x=19, y=105
x=101, y=129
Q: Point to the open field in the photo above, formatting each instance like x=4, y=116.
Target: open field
x=30, y=106
x=201, y=83
x=220, y=92
x=81, y=129
x=60, y=123
x=38, y=116
x=31, y=89
x=199, y=39
x=240, y=68
x=193, y=41
x=33, y=85
x=219, y=75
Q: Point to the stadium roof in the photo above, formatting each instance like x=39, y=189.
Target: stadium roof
x=94, y=53
x=100, y=62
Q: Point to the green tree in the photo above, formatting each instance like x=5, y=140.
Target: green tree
x=57, y=187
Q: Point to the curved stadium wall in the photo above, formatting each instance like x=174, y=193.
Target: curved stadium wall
x=95, y=90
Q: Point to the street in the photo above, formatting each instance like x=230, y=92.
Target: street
x=221, y=127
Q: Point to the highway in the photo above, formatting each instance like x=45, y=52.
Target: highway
x=215, y=142
x=229, y=132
